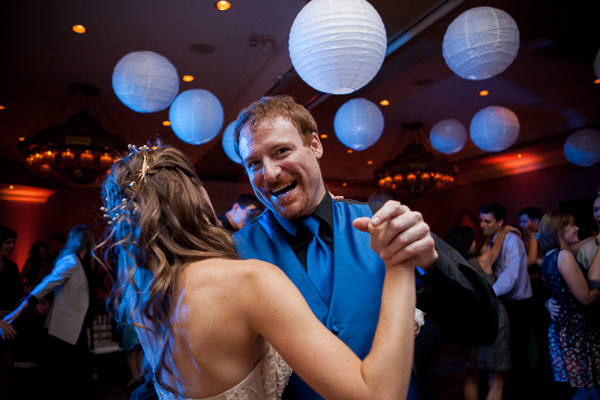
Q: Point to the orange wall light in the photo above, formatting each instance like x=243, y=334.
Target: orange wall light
x=24, y=194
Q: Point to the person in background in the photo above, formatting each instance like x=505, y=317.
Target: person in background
x=10, y=294
x=235, y=218
x=494, y=359
x=585, y=253
x=70, y=315
x=529, y=219
x=36, y=262
x=55, y=244
x=573, y=334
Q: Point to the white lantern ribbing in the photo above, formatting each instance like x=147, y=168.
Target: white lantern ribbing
x=480, y=43
x=494, y=128
x=358, y=123
x=227, y=142
x=597, y=65
x=448, y=136
x=337, y=46
x=196, y=116
x=583, y=147
x=145, y=81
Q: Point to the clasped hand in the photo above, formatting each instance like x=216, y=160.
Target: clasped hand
x=400, y=235
x=6, y=330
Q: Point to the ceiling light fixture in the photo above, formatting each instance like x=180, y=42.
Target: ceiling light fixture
x=350, y=151
x=2, y=107
x=415, y=169
x=79, y=29
x=484, y=93
x=223, y=5
x=324, y=136
x=188, y=78
x=384, y=103
x=166, y=123
x=78, y=149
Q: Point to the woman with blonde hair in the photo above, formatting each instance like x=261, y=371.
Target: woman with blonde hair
x=215, y=327
x=573, y=335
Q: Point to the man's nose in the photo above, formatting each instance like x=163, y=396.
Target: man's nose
x=272, y=170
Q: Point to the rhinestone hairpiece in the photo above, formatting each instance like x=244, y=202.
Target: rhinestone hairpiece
x=143, y=149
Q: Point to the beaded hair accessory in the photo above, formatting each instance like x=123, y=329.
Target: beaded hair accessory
x=120, y=209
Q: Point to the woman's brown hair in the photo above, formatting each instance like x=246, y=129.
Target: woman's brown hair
x=158, y=222
x=551, y=227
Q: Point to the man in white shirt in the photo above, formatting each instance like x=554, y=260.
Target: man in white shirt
x=588, y=249
x=514, y=289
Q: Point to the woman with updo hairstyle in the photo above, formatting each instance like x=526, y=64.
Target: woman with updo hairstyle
x=216, y=327
x=573, y=335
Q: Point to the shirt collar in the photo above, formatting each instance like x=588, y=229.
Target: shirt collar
x=323, y=212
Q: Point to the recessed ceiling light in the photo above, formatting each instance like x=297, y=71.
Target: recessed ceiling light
x=370, y=162
x=11, y=187
x=21, y=139
x=223, y=5
x=484, y=93
x=188, y=78
x=597, y=81
x=79, y=29
x=344, y=184
x=519, y=155
x=167, y=123
x=324, y=136
x=350, y=151
x=2, y=107
x=384, y=103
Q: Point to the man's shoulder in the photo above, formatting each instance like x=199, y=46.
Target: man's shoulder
x=589, y=246
x=374, y=206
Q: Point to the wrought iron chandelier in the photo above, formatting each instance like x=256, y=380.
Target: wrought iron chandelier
x=415, y=169
x=78, y=149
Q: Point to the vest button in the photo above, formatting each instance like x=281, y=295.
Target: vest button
x=335, y=329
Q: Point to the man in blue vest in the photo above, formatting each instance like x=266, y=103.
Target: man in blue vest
x=323, y=247
x=278, y=141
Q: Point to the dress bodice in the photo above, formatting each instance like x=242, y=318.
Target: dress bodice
x=266, y=382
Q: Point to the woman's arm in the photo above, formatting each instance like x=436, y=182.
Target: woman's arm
x=594, y=271
x=578, y=285
x=488, y=257
x=279, y=313
x=532, y=251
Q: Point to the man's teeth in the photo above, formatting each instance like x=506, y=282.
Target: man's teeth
x=283, y=189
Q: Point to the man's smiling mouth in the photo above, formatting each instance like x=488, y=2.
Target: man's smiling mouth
x=281, y=191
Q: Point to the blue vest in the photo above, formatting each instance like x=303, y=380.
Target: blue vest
x=358, y=274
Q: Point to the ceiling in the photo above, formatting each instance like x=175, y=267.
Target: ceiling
x=550, y=86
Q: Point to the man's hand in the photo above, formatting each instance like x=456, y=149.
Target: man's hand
x=553, y=308
x=399, y=235
x=7, y=331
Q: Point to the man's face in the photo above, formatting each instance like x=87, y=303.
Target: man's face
x=7, y=247
x=597, y=210
x=489, y=225
x=283, y=170
x=523, y=221
x=239, y=215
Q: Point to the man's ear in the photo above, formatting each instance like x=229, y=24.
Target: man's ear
x=316, y=146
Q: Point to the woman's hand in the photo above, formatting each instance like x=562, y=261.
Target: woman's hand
x=512, y=229
x=10, y=318
x=7, y=331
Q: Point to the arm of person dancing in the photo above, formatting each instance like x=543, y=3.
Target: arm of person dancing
x=279, y=313
x=578, y=285
x=488, y=257
x=532, y=249
x=62, y=271
x=594, y=271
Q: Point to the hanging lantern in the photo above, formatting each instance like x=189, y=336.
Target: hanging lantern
x=494, y=128
x=480, y=43
x=145, y=81
x=597, y=65
x=227, y=143
x=196, y=116
x=337, y=46
x=583, y=147
x=358, y=123
x=448, y=136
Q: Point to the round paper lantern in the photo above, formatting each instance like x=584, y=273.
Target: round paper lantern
x=583, y=147
x=494, y=128
x=196, y=116
x=448, y=136
x=337, y=46
x=227, y=142
x=145, y=81
x=597, y=65
x=358, y=123
x=480, y=43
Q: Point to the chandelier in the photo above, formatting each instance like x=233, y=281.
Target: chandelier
x=79, y=149
x=415, y=169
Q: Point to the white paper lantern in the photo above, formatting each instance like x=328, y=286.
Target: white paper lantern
x=448, y=136
x=196, y=116
x=583, y=147
x=480, y=43
x=358, y=123
x=337, y=46
x=597, y=65
x=145, y=81
x=494, y=128
x=227, y=142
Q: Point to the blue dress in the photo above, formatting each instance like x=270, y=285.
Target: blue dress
x=573, y=335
